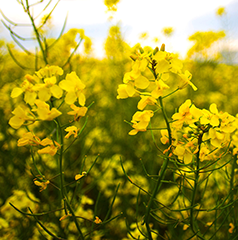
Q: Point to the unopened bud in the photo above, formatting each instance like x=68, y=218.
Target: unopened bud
x=162, y=48
x=141, y=50
x=155, y=50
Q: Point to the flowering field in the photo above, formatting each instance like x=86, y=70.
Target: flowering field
x=138, y=145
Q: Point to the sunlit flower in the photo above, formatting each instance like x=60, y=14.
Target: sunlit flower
x=228, y=123
x=29, y=92
x=183, y=153
x=138, y=80
x=184, y=115
x=74, y=87
x=48, y=89
x=44, y=112
x=125, y=90
x=216, y=137
x=210, y=117
x=164, y=136
x=21, y=115
x=28, y=138
x=140, y=121
x=77, y=111
x=72, y=130
x=49, y=71
x=186, y=80
x=146, y=100
x=159, y=90
x=50, y=147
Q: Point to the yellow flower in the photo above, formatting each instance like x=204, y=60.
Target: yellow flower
x=49, y=71
x=185, y=80
x=72, y=130
x=21, y=115
x=97, y=220
x=44, y=112
x=140, y=121
x=183, y=153
x=125, y=90
x=160, y=87
x=79, y=176
x=228, y=123
x=42, y=185
x=29, y=92
x=138, y=80
x=221, y=11
x=164, y=136
x=183, y=116
x=78, y=112
x=217, y=138
x=211, y=117
x=49, y=88
x=74, y=86
x=28, y=138
x=146, y=100
x=50, y=147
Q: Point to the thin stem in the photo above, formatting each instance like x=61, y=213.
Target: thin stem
x=161, y=173
x=36, y=32
x=193, y=201
x=63, y=193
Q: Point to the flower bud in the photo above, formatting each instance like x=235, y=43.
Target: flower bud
x=155, y=50
x=162, y=48
x=141, y=50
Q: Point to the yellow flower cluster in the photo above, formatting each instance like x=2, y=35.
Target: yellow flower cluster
x=42, y=98
x=136, y=83
x=216, y=129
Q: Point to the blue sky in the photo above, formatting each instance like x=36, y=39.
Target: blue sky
x=136, y=17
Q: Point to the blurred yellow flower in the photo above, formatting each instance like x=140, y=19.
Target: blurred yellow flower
x=44, y=112
x=74, y=86
x=49, y=71
x=125, y=90
x=97, y=220
x=77, y=112
x=72, y=130
x=221, y=11
x=28, y=138
x=146, y=100
x=50, y=147
x=21, y=115
x=48, y=89
x=159, y=89
x=29, y=92
x=136, y=77
x=183, y=153
x=140, y=121
x=185, y=80
x=232, y=227
x=42, y=185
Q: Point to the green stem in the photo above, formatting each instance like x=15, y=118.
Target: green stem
x=62, y=188
x=232, y=189
x=161, y=173
x=36, y=32
x=232, y=178
x=194, y=227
